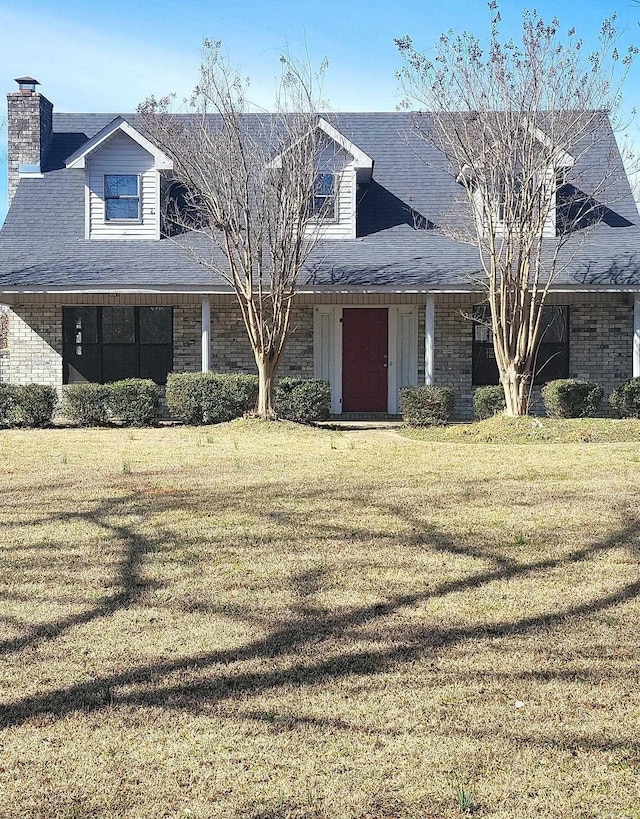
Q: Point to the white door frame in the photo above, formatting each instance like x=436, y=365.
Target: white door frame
x=327, y=334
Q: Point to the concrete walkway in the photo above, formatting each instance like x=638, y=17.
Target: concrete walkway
x=354, y=426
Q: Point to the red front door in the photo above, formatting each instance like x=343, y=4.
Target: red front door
x=365, y=343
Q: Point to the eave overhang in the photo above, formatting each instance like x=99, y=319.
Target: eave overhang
x=78, y=158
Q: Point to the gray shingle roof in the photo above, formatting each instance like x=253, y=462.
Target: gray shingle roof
x=42, y=242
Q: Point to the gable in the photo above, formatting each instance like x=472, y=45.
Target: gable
x=123, y=156
x=119, y=125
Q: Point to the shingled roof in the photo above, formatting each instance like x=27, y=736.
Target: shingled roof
x=398, y=246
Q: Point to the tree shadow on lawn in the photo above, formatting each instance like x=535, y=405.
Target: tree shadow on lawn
x=128, y=583
x=309, y=625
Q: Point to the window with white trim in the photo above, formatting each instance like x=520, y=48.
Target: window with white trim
x=122, y=197
x=323, y=205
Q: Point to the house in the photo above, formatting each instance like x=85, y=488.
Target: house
x=96, y=293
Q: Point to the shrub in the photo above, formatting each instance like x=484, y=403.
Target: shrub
x=426, y=405
x=303, y=400
x=85, y=404
x=184, y=397
x=7, y=401
x=487, y=402
x=32, y=405
x=210, y=398
x=625, y=399
x=571, y=398
x=134, y=401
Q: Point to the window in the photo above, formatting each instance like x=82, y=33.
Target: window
x=552, y=359
x=121, y=197
x=324, y=196
x=105, y=344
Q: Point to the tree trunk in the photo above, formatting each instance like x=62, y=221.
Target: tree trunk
x=266, y=382
x=516, y=391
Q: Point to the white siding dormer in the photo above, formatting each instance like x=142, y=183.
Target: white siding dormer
x=342, y=223
x=349, y=166
x=121, y=155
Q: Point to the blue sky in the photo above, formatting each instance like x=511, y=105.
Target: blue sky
x=108, y=56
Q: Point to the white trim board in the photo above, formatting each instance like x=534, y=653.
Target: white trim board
x=327, y=348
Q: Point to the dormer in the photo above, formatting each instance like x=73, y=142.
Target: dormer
x=122, y=183
x=342, y=166
x=503, y=183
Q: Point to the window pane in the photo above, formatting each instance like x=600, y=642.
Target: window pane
x=485, y=366
x=553, y=325
x=323, y=195
x=118, y=325
x=156, y=361
x=81, y=363
x=80, y=325
x=121, y=185
x=122, y=209
x=155, y=325
x=324, y=184
x=552, y=362
x=118, y=361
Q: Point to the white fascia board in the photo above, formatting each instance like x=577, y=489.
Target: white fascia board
x=78, y=159
x=117, y=290
x=561, y=158
x=319, y=290
x=363, y=163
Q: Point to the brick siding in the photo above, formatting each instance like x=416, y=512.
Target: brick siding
x=230, y=349
x=601, y=330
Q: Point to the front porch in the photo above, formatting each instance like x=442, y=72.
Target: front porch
x=366, y=345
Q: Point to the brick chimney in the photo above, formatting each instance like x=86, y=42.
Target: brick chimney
x=29, y=126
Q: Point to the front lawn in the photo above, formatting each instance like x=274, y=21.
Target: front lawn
x=267, y=621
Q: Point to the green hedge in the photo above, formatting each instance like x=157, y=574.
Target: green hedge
x=572, y=398
x=85, y=404
x=426, y=405
x=304, y=400
x=133, y=402
x=210, y=398
x=487, y=402
x=28, y=405
x=625, y=399
x=7, y=398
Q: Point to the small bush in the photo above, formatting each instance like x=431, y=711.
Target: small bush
x=184, y=397
x=303, y=400
x=7, y=400
x=426, y=405
x=571, y=398
x=487, y=402
x=85, y=404
x=625, y=399
x=31, y=405
x=134, y=401
x=210, y=398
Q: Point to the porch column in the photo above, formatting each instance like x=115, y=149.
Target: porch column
x=429, y=342
x=636, y=337
x=206, y=332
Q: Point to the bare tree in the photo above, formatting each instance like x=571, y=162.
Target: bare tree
x=523, y=129
x=250, y=190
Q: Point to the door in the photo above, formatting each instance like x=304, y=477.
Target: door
x=365, y=344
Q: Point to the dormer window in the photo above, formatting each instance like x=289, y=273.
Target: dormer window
x=324, y=196
x=122, y=197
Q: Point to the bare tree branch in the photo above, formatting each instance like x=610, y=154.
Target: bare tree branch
x=245, y=183
x=524, y=129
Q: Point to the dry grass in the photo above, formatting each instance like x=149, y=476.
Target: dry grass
x=528, y=429
x=265, y=621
